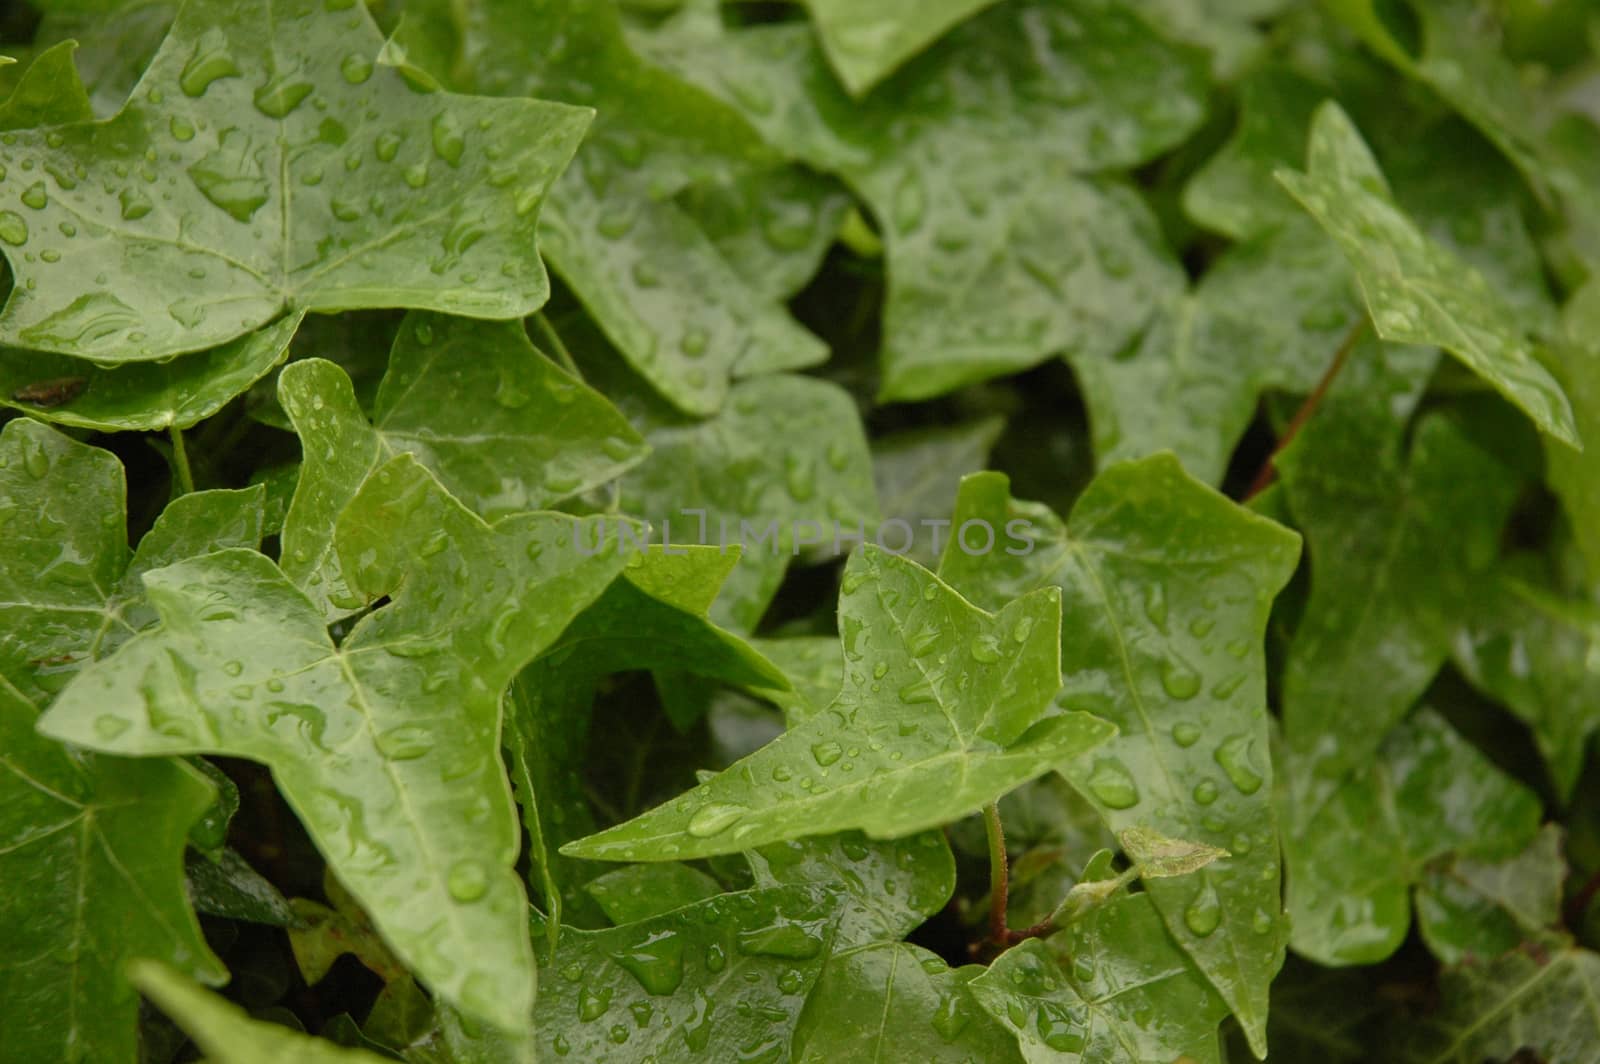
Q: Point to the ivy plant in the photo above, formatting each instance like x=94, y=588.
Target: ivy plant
x=682, y=530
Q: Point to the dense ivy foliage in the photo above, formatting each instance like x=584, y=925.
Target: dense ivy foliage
x=670, y=530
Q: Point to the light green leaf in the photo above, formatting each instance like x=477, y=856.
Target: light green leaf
x=1166, y=587
x=773, y=228
x=786, y=458
x=1470, y=908
x=896, y=1001
x=1417, y=291
x=887, y=887
x=92, y=865
x=92, y=870
x=917, y=743
x=1270, y=313
x=1396, y=542
x=1112, y=988
x=1541, y=998
x=1235, y=193
x=226, y=1033
x=49, y=92
x=141, y=396
x=639, y=892
x=919, y=471
x=1527, y=647
x=1157, y=857
x=503, y=428
x=997, y=256
x=866, y=40
x=387, y=746
x=679, y=313
x=276, y=203
x=665, y=987
x=1425, y=793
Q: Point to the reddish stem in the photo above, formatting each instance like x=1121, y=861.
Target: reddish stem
x=1268, y=472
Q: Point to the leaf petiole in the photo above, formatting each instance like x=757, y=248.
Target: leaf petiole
x=180, y=461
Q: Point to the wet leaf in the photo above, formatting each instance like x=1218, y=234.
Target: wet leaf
x=917, y=742
x=265, y=164
x=407, y=705
x=1165, y=587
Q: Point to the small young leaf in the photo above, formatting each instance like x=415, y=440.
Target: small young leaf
x=1417, y=291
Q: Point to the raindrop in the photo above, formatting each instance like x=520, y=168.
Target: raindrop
x=355, y=68
x=406, y=742
x=985, y=649
x=108, y=726
x=387, y=146
x=1204, y=912
x=715, y=818
x=468, y=880
x=826, y=753
x=35, y=196
x=448, y=139
x=1179, y=680
x=917, y=692
x=1023, y=629
x=910, y=203
x=1111, y=783
x=1234, y=754
x=656, y=961
x=1205, y=792
x=209, y=62
x=592, y=1004
x=1186, y=733
x=716, y=959
x=281, y=95
x=13, y=230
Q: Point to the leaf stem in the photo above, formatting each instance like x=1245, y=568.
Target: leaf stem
x=558, y=348
x=999, y=883
x=1269, y=472
x=180, y=461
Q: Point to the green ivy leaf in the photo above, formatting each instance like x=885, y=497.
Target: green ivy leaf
x=1573, y=475
x=49, y=92
x=93, y=862
x=1165, y=590
x=866, y=40
x=680, y=314
x=1113, y=987
x=896, y=1001
x=225, y=1032
x=918, y=742
x=1270, y=313
x=1528, y=648
x=141, y=396
x=503, y=428
x=887, y=888
x=1425, y=793
x=995, y=263
x=653, y=618
x=1541, y=997
x=1471, y=908
x=407, y=706
x=786, y=457
x=1396, y=541
x=773, y=228
x=1417, y=291
x=304, y=177
x=665, y=987
x=641, y=891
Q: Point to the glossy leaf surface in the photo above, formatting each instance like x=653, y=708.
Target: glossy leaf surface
x=287, y=171
x=356, y=735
